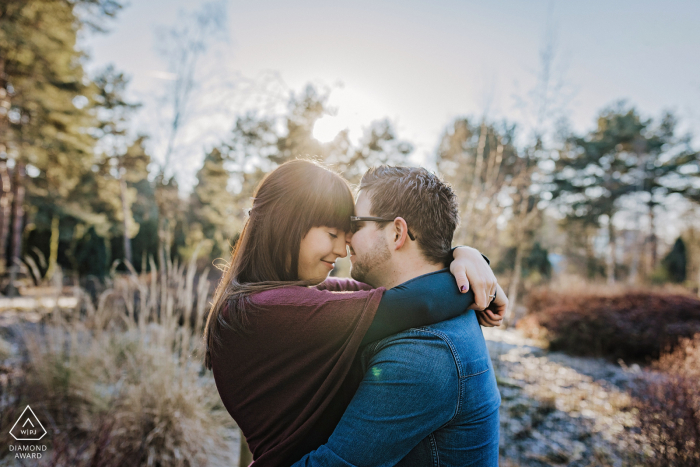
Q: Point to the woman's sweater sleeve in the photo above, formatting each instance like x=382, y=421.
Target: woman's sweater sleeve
x=422, y=301
x=451, y=257
x=338, y=284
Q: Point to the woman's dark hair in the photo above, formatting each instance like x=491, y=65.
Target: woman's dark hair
x=288, y=202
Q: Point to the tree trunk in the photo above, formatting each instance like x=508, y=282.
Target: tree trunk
x=53, y=249
x=591, y=260
x=5, y=207
x=653, y=242
x=611, y=263
x=475, y=182
x=637, y=252
x=125, y=214
x=17, y=222
x=514, y=285
x=5, y=185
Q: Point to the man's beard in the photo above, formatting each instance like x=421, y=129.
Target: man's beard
x=366, y=264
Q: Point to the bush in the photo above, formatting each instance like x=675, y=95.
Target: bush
x=123, y=383
x=669, y=406
x=676, y=262
x=611, y=323
x=124, y=399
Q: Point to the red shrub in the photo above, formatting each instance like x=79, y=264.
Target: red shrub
x=632, y=325
x=669, y=406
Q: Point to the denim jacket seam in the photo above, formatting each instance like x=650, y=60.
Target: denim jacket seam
x=458, y=363
x=373, y=346
x=476, y=374
x=367, y=352
x=434, y=451
x=452, y=347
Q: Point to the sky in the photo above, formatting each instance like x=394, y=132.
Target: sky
x=420, y=64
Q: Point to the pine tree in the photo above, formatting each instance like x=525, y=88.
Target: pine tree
x=45, y=132
x=142, y=203
x=213, y=213
x=676, y=262
x=379, y=145
x=259, y=144
x=624, y=155
x=667, y=164
x=113, y=112
x=594, y=172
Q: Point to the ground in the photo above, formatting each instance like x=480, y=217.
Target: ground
x=556, y=409
x=562, y=410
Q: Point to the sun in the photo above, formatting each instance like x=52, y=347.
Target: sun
x=328, y=127
x=354, y=111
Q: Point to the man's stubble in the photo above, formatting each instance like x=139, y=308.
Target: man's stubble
x=367, y=266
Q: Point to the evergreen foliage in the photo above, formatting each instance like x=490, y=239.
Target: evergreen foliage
x=536, y=261
x=676, y=261
x=212, y=215
x=49, y=117
x=625, y=155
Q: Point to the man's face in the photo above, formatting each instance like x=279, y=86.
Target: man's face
x=370, y=254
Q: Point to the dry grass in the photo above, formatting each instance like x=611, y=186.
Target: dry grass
x=5, y=349
x=669, y=406
x=121, y=383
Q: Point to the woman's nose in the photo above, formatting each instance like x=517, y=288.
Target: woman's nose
x=340, y=247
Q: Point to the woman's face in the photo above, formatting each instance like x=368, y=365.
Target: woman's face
x=318, y=251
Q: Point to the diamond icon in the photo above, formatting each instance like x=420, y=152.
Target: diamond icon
x=28, y=427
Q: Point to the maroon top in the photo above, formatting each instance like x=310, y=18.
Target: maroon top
x=286, y=382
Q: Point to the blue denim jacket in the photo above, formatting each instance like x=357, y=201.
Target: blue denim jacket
x=428, y=398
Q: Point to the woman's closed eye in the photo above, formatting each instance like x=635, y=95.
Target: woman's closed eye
x=334, y=236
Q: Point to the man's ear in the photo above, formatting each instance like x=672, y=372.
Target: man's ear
x=399, y=233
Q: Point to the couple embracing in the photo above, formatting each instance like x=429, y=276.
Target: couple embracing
x=390, y=368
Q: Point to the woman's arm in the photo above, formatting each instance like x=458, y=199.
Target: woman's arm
x=430, y=298
x=472, y=270
x=466, y=264
x=342, y=284
x=422, y=301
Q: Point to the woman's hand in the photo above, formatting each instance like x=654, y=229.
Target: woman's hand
x=496, y=311
x=471, y=269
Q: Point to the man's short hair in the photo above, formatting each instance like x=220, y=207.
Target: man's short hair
x=427, y=204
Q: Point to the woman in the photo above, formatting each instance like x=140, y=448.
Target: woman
x=282, y=352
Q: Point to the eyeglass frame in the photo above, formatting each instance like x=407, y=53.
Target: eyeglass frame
x=379, y=219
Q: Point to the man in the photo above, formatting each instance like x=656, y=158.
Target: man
x=429, y=395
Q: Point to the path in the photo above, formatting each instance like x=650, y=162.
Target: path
x=562, y=410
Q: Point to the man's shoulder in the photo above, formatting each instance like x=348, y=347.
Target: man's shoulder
x=459, y=339
x=443, y=331
x=417, y=355
x=406, y=344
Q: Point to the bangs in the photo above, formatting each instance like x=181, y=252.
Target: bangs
x=291, y=200
x=331, y=208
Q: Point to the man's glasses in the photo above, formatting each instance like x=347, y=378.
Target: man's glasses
x=355, y=220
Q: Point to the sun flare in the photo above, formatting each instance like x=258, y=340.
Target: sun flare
x=355, y=109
